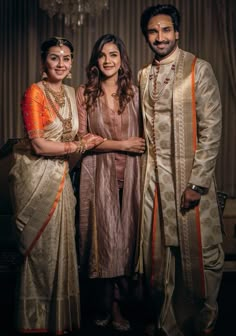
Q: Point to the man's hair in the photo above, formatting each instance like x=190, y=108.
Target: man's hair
x=149, y=12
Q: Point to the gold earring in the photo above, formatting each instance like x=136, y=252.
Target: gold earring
x=69, y=76
x=44, y=75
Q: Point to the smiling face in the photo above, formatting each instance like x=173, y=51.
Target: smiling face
x=109, y=60
x=161, y=36
x=58, y=63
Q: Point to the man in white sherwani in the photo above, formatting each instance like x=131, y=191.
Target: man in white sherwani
x=180, y=250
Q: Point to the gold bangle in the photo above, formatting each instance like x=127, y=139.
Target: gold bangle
x=66, y=147
x=83, y=146
x=78, y=146
x=69, y=148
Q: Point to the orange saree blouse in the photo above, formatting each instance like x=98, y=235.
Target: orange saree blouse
x=36, y=112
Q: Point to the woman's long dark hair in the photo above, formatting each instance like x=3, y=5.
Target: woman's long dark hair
x=93, y=87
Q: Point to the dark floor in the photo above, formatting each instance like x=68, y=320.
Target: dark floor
x=225, y=325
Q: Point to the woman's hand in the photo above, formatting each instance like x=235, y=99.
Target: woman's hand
x=87, y=141
x=91, y=140
x=134, y=145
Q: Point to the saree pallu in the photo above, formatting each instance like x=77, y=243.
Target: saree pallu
x=47, y=293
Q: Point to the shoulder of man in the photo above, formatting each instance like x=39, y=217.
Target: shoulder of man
x=144, y=68
x=199, y=61
x=202, y=62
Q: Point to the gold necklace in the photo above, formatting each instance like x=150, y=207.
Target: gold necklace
x=66, y=122
x=59, y=96
x=154, y=92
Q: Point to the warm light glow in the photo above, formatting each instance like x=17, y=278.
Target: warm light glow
x=74, y=12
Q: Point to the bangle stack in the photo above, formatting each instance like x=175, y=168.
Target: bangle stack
x=81, y=146
x=67, y=147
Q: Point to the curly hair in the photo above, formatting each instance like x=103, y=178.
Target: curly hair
x=93, y=87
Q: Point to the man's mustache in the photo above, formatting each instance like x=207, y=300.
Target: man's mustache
x=160, y=42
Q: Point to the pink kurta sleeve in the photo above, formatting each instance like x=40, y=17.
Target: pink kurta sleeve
x=80, y=101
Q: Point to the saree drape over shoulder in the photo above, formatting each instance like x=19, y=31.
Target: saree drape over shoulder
x=107, y=231
x=44, y=203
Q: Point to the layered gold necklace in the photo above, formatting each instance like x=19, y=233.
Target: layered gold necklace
x=60, y=97
x=155, y=91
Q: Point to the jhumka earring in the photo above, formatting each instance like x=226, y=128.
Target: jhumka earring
x=44, y=75
x=69, y=76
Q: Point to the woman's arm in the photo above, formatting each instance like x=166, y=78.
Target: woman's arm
x=45, y=147
x=82, y=113
x=33, y=105
x=132, y=145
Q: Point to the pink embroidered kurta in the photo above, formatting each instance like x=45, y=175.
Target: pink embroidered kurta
x=108, y=231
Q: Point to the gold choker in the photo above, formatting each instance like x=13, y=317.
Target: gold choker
x=59, y=96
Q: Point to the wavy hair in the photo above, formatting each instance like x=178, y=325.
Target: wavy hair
x=93, y=87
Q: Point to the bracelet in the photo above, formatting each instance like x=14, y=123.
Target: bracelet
x=81, y=146
x=67, y=147
x=78, y=147
x=200, y=190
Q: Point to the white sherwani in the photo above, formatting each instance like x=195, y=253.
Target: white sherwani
x=182, y=125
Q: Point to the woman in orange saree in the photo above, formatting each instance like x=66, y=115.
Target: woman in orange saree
x=47, y=296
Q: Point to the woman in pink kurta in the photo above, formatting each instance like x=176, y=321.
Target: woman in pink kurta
x=109, y=188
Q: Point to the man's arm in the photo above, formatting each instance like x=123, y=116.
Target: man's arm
x=209, y=125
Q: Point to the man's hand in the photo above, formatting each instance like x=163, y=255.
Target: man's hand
x=189, y=200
